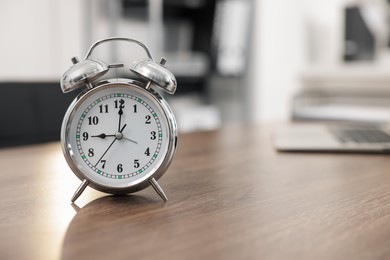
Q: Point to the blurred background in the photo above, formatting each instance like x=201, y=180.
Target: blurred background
x=236, y=61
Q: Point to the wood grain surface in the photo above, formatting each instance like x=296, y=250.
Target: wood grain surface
x=231, y=196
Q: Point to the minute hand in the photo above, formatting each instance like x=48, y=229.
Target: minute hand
x=120, y=113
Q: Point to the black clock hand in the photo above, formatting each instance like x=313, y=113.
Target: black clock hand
x=120, y=113
x=122, y=128
x=110, y=145
x=105, y=152
x=102, y=136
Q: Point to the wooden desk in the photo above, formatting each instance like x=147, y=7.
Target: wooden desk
x=231, y=197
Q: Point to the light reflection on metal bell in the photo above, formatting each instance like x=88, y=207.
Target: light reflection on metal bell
x=155, y=73
x=82, y=73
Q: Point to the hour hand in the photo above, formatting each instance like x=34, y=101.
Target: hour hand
x=102, y=136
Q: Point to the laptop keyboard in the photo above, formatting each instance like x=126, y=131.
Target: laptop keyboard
x=369, y=135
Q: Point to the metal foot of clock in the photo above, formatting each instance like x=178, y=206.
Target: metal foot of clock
x=158, y=189
x=79, y=190
x=153, y=182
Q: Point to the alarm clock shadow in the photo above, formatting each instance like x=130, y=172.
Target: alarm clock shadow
x=108, y=220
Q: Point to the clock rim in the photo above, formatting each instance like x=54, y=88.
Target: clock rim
x=143, y=182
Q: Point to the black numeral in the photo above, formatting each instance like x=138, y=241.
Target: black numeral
x=85, y=136
x=135, y=108
x=147, y=152
x=103, y=109
x=119, y=103
x=147, y=117
x=153, y=133
x=104, y=163
x=136, y=163
x=91, y=152
x=119, y=168
x=93, y=120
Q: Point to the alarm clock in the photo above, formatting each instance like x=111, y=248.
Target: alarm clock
x=119, y=135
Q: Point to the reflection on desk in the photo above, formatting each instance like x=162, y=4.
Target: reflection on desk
x=231, y=197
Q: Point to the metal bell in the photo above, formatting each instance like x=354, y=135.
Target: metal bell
x=82, y=73
x=156, y=73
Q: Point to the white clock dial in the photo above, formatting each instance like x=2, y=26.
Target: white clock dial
x=119, y=136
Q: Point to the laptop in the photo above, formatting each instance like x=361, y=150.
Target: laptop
x=332, y=138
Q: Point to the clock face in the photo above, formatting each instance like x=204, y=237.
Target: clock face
x=118, y=135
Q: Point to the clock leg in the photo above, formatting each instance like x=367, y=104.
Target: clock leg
x=158, y=189
x=79, y=190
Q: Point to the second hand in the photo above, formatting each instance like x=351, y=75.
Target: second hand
x=110, y=145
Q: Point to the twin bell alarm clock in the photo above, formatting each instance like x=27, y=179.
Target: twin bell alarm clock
x=118, y=135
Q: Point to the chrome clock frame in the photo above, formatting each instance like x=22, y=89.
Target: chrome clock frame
x=133, y=186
